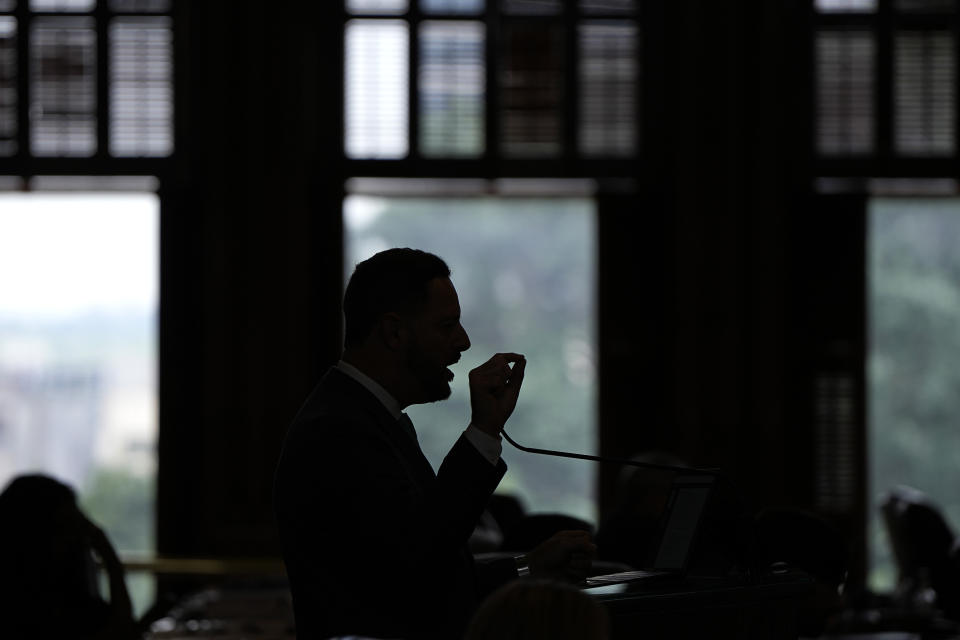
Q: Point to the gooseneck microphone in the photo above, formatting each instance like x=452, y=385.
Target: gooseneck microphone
x=623, y=461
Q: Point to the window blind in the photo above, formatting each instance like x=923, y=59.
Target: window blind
x=376, y=111
x=608, y=87
x=139, y=6
x=62, y=5
x=925, y=93
x=926, y=6
x=845, y=89
x=845, y=6
x=63, y=108
x=452, y=6
x=141, y=86
x=531, y=85
x=835, y=442
x=8, y=86
x=531, y=7
x=452, y=83
x=608, y=6
x=390, y=7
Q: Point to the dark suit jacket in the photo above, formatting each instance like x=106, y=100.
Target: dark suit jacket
x=374, y=542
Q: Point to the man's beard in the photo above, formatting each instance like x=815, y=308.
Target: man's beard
x=432, y=378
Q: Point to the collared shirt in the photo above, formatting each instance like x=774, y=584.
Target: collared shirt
x=488, y=446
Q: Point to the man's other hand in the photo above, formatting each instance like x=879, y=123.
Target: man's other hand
x=568, y=555
x=494, y=388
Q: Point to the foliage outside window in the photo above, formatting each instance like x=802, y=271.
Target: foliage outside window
x=914, y=348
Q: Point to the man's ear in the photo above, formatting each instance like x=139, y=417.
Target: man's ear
x=392, y=330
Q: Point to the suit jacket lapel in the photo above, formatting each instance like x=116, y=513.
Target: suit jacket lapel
x=405, y=445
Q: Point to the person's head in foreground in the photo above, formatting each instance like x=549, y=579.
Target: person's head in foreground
x=538, y=609
x=49, y=583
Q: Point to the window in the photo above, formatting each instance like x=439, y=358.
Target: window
x=845, y=90
x=884, y=124
x=451, y=84
x=98, y=83
x=453, y=79
x=78, y=399
x=914, y=307
x=524, y=268
x=376, y=91
x=86, y=89
x=608, y=98
x=885, y=80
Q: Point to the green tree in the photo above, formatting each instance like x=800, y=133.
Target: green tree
x=122, y=504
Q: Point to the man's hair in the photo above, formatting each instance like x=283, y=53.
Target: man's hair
x=392, y=280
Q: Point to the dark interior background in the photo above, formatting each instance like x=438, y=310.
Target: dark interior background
x=730, y=293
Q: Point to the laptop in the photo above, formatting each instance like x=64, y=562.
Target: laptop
x=680, y=525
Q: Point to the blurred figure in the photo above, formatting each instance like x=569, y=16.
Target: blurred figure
x=539, y=610
x=926, y=551
x=49, y=586
x=807, y=541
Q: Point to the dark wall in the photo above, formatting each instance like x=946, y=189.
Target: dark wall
x=730, y=131
x=696, y=262
x=251, y=254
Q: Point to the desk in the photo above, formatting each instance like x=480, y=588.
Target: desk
x=715, y=608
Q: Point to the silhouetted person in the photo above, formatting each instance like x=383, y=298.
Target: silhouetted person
x=808, y=542
x=48, y=580
x=926, y=550
x=375, y=542
x=539, y=610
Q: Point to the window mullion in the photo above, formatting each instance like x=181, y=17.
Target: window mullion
x=954, y=23
x=413, y=85
x=884, y=70
x=102, y=18
x=491, y=90
x=22, y=15
x=570, y=111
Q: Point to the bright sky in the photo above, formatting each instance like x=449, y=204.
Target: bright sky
x=68, y=253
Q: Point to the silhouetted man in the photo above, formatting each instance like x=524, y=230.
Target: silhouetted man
x=375, y=542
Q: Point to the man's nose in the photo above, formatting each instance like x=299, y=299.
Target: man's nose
x=464, y=339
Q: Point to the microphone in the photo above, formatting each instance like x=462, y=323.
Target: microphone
x=622, y=461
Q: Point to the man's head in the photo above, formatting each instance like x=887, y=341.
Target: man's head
x=402, y=319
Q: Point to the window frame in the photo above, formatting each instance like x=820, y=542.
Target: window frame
x=883, y=23
x=491, y=164
x=24, y=164
x=832, y=340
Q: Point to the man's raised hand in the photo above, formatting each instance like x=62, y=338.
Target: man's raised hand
x=494, y=388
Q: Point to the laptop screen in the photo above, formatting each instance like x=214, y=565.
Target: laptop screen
x=688, y=502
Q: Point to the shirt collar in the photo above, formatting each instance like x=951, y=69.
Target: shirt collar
x=373, y=387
